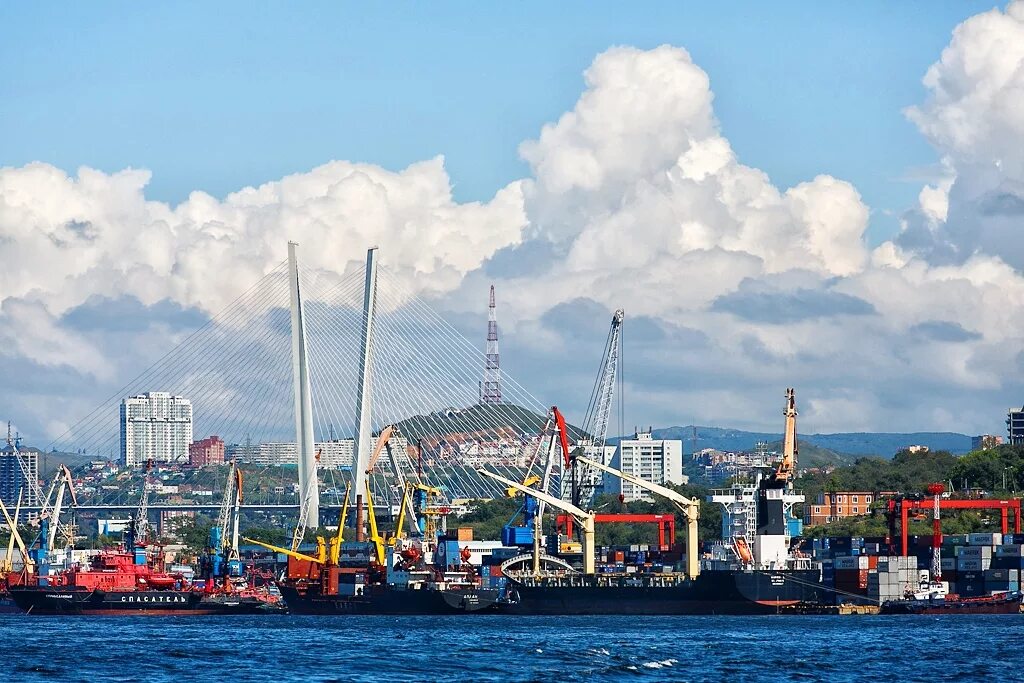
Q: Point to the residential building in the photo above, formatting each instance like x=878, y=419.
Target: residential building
x=1015, y=426
x=832, y=506
x=16, y=478
x=985, y=442
x=333, y=454
x=155, y=426
x=208, y=451
x=656, y=460
x=590, y=481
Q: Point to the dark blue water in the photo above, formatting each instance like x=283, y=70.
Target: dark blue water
x=495, y=648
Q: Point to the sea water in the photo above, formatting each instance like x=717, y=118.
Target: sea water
x=507, y=648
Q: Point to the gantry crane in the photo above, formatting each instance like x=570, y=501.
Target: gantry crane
x=599, y=408
x=585, y=519
x=690, y=507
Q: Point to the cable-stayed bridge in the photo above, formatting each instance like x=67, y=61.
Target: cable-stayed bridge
x=307, y=369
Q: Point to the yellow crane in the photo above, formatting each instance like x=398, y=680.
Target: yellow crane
x=12, y=524
x=585, y=520
x=690, y=507
x=323, y=555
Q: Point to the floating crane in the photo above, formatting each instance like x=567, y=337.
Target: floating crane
x=690, y=507
x=585, y=519
x=598, y=411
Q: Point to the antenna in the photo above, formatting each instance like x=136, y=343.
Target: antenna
x=490, y=389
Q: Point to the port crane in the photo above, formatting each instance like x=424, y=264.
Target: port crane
x=599, y=407
x=555, y=434
x=585, y=519
x=51, y=526
x=12, y=525
x=690, y=507
x=226, y=561
x=41, y=549
x=785, y=470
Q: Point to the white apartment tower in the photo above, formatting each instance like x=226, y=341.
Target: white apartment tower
x=155, y=425
x=656, y=460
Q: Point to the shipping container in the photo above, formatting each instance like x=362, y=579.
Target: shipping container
x=984, y=539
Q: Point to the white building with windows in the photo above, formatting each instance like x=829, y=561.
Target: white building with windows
x=155, y=425
x=332, y=455
x=656, y=460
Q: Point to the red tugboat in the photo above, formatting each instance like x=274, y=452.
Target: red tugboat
x=116, y=582
x=128, y=580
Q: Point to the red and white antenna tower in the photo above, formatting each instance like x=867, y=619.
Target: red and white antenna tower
x=490, y=388
x=936, y=491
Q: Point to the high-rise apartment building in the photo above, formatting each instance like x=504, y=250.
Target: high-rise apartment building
x=155, y=426
x=1015, y=425
x=16, y=478
x=656, y=460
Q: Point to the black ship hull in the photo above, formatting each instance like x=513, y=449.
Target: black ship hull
x=712, y=592
x=386, y=600
x=7, y=605
x=70, y=600
x=1009, y=604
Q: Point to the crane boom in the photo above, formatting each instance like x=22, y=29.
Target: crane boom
x=599, y=410
x=284, y=551
x=586, y=519
x=9, y=557
x=690, y=507
x=26, y=558
x=606, y=381
x=789, y=447
x=66, y=482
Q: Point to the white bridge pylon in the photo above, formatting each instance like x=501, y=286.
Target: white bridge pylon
x=305, y=368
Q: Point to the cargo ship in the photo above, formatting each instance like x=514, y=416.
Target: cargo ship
x=387, y=599
x=711, y=592
x=420, y=572
x=754, y=572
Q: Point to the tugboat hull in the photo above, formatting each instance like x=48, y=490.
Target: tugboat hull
x=71, y=600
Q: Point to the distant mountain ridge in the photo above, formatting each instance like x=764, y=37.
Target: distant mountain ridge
x=881, y=444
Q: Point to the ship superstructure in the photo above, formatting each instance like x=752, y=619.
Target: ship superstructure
x=758, y=523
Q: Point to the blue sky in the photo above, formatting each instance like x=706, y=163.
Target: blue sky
x=242, y=93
